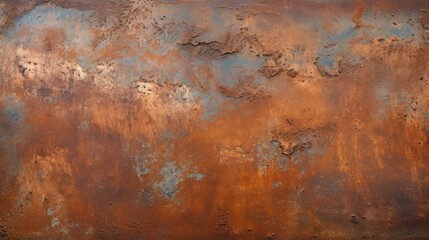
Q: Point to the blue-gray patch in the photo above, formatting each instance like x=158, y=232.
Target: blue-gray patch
x=14, y=111
x=328, y=61
x=381, y=93
x=50, y=212
x=211, y=102
x=84, y=62
x=196, y=176
x=55, y=222
x=386, y=26
x=344, y=36
x=45, y=16
x=141, y=166
x=231, y=69
x=83, y=125
x=172, y=177
x=327, y=185
x=169, y=150
x=266, y=152
x=167, y=135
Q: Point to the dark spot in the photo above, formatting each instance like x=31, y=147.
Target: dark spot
x=22, y=69
x=44, y=92
x=292, y=73
x=354, y=219
x=3, y=232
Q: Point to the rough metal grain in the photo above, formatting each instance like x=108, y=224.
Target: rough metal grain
x=214, y=119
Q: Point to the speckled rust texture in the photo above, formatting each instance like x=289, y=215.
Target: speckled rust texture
x=205, y=120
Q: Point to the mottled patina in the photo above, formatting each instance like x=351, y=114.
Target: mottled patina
x=217, y=119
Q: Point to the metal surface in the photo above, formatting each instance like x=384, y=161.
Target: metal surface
x=214, y=119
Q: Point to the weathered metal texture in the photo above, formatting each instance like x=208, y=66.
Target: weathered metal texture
x=214, y=119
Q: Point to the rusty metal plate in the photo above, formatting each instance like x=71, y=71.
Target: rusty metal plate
x=249, y=119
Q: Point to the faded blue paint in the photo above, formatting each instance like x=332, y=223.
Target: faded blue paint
x=282, y=159
x=185, y=14
x=127, y=61
x=166, y=135
x=196, y=176
x=374, y=23
x=14, y=110
x=13, y=115
x=266, y=153
x=314, y=151
x=345, y=35
x=327, y=185
x=233, y=68
x=382, y=95
x=229, y=71
x=55, y=222
x=294, y=158
x=50, y=16
x=83, y=125
x=45, y=16
x=84, y=62
x=402, y=31
x=169, y=186
x=168, y=151
x=211, y=102
x=142, y=164
x=305, y=156
x=218, y=20
x=283, y=162
x=13, y=128
x=328, y=61
x=343, y=30
x=141, y=170
x=383, y=26
x=298, y=54
x=50, y=212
